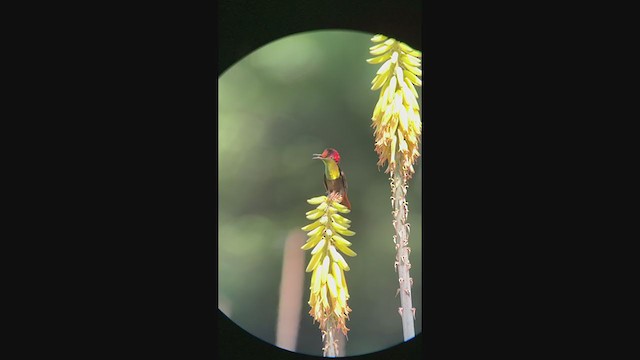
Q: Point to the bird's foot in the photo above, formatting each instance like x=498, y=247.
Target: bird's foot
x=335, y=196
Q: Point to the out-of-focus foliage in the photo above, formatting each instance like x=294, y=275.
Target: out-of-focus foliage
x=277, y=107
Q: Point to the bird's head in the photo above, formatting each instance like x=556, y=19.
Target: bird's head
x=327, y=155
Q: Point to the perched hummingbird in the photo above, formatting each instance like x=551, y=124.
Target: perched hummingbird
x=334, y=179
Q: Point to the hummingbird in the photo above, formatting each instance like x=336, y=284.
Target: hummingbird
x=334, y=179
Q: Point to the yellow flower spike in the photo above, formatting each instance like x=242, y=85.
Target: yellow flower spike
x=343, y=264
x=315, y=260
x=328, y=293
x=340, y=219
x=417, y=124
x=337, y=239
x=323, y=296
x=335, y=255
x=311, y=226
x=401, y=84
x=316, y=284
x=337, y=227
x=414, y=79
x=341, y=208
x=409, y=98
x=399, y=72
x=405, y=48
x=313, y=279
x=314, y=214
x=377, y=110
x=411, y=87
x=397, y=101
x=396, y=121
x=414, y=70
x=383, y=97
x=317, y=230
x=402, y=145
x=379, y=38
x=394, y=57
x=344, y=284
x=404, y=119
x=312, y=242
x=391, y=89
x=412, y=138
x=317, y=200
x=346, y=250
x=331, y=282
x=342, y=297
x=379, y=49
x=337, y=274
x=379, y=59
x=319, y=246
x=379, y=81
x=386, y=118
x=410, y=60
x=394, y=125
x=416, y=53
x=385, y=67
x=345, y=232
x=392, y=158
x=324, y=270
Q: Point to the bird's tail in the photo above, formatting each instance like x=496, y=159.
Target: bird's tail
x=345, y=201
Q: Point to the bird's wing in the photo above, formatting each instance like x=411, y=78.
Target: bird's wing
x=344, y=180
x=324, y=180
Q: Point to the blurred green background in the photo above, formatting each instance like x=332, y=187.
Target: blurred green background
x=278, y=106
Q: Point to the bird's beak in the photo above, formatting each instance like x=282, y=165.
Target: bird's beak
x=317, y=157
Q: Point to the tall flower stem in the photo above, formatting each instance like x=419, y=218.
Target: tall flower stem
x=330, y=348
x=397, y=128
x=401, y=238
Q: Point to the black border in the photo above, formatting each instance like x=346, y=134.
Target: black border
x=126, y=178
